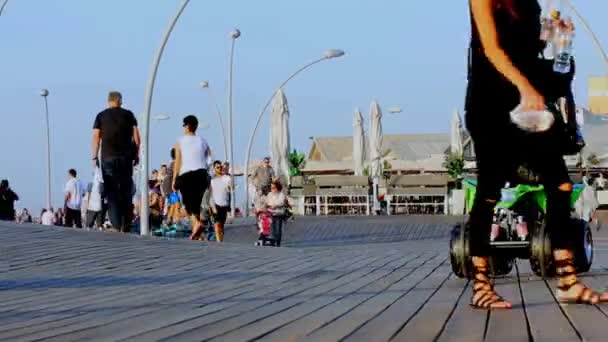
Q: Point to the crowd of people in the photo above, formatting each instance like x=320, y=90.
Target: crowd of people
x=192, y=193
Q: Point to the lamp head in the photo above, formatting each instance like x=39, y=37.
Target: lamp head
x=334, y=53
x=235, y=34
x=44, y=92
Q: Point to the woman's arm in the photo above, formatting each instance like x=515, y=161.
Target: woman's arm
x=483, y=15
x=177, y=164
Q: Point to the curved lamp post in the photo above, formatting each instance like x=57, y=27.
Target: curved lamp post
x=234, y=35
x=143, y=177
x=205, y=85
x=2, y=6
x=330, y=54
x=45, y=94
x=587, y=27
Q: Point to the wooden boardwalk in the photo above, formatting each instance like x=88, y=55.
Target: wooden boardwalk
x=68, y=285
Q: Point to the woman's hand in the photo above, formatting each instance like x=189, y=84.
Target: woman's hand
x=531, y=99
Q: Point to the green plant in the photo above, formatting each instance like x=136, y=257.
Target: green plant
x=296, y=163
x=454, y=163
x=593, y=159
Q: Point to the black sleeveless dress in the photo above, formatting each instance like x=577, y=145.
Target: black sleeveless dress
x=490, y=96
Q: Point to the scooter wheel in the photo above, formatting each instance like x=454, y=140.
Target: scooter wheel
x=500, y=265
x=541, y=253
x=460, y=258
x=583, y=245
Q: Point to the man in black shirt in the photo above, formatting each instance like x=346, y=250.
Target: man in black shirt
x=7, y=201
x=116, y=129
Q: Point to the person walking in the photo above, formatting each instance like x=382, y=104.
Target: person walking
x=74, y=193
x=7, y=201
x=263, y=176
x=504, y=72
x=220, y=196
x=95, y=213
x=190, y=171
x=115, y=132
x=277, y=204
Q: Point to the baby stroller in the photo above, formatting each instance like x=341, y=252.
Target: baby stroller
x=264, y=224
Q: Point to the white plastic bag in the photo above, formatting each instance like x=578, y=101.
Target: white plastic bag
x=532, y=121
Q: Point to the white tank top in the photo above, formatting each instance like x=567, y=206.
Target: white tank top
x=194, y=153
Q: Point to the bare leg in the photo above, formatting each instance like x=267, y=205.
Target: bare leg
x=219, y=232
x=196, y=227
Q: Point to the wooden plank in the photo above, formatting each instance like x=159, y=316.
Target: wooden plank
x=547, y=321
x=283, y=302
x=429, y=322
x=509, y=325
x=465, y=324
x=354, y=318
x=258, y=300
x=339, y=304
x=385, y=324
x=261, y=328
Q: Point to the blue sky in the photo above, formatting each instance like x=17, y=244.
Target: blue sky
x=404, y=53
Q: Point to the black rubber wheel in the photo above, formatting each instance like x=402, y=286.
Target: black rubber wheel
x=541, y=254
x=501, y=265
x=583, y=247
x=460, y=258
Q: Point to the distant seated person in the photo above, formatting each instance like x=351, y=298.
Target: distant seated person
x=156, y=217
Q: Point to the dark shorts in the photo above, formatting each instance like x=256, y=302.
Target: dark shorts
x=221, y=214
x=192, y=186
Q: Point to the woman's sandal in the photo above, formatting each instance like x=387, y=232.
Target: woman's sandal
x=566, y=269
x=484, y=296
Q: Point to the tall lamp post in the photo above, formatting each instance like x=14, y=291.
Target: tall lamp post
x=587, y=27
x=234, y=35
x=330, y=54
x=45, y=94
x=205, y=85
x=143, y=177
x=2, y=6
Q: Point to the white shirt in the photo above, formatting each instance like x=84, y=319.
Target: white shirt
x=48, y=218
x=276, y=202
x=220, y=190
x=195, y=153
x=76, y=191
x=95, y=195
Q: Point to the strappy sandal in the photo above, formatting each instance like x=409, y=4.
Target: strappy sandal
x=484, y=296
x=565, y=269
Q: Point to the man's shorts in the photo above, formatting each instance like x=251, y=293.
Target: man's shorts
x=173, y=198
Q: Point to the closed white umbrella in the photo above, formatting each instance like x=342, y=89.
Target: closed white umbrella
x=279, y=136
x=358, y=143
x=375, y=149
x=456, y=135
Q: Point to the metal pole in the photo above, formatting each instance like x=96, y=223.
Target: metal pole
x=48, y=154
x=221, y=120
x=234, y=35
x=257, y=124
x=587, y=27
x=143, y=178
x=3, y=5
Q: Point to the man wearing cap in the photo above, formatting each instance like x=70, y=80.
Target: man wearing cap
x=115, y=131
x=263, y=176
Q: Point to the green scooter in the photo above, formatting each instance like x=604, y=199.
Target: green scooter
x=519, y=231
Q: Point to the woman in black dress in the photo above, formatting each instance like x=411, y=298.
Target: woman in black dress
x=505, y=71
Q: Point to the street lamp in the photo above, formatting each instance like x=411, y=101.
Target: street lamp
x=395, y=110
x=143, y=177
x=162, y=117
x=329, y=54
x=205, y=85
x=45, y=94
x=234, y=35
x=3, y=5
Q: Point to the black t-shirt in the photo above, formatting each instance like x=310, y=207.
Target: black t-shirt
x=116, y=126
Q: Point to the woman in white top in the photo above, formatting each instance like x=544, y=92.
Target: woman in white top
x=190, y=176
x=277, y=204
